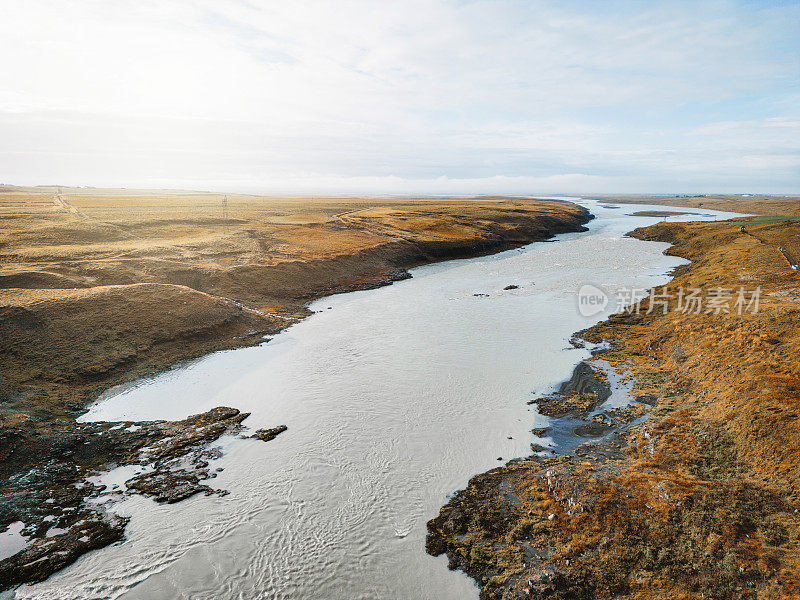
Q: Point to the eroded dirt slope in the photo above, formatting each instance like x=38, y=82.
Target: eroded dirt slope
x=103, y=286
x=99, y=287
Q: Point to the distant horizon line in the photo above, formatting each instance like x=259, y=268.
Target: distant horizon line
x=354, y=194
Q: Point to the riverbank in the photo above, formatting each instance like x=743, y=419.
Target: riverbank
x=104, y=288
x=698, y=499
x=742, y=203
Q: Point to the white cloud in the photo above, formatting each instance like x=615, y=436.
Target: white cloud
x=431, y=92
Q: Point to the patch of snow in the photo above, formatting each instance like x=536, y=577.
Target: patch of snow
x=54, y=531
x=12, y=540
x=115, y=479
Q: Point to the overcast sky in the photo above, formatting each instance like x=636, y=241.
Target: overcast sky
x=421, y=96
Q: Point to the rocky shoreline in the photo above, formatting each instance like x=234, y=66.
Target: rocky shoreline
x=579, y=410
x=61, y=501
x=693, y=493
x=53, y=470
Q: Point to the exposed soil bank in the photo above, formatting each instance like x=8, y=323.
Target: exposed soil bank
x=101, y=295
x=698, y=501
x=131, y=285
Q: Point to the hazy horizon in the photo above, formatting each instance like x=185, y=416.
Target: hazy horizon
x=333, y=194
x=424, y=97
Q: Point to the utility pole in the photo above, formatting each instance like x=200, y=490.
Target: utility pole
x=225, y=213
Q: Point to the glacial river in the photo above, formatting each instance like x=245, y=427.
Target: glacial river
x=394, y=398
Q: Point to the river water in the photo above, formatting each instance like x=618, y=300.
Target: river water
x=393, y=397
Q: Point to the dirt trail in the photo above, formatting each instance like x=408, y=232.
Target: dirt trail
x=789, y=258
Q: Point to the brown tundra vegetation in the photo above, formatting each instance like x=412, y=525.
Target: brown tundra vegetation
x=699, y=499
x=99, y=287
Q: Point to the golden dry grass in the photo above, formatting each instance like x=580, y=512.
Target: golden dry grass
x=704, y=501
x=83, y=271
